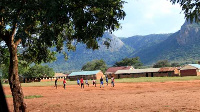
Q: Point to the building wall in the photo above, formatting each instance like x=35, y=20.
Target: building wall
x=189, y=72
x=150, y=74
x=89, y=77
x=118, y=76
x=176, y=72
x=166, y=74
x=198, y=72
x=99, y=75
x=111, y=75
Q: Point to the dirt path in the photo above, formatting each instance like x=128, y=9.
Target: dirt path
x=126, y=97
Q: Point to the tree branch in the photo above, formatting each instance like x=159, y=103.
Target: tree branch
x=13, y=31
x=17, y=42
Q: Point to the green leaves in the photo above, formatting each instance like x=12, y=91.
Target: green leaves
x=135, y=62
x=40, y=71
x=95, y=65
x=161, y=63
x=46, y=23
x=191, y=9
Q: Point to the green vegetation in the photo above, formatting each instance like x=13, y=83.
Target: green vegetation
x=161, y=63
x=8, y=96
x=46, y=83
x=190, y=8
x=32, y=96
x=135, y=62
x=39, y=71
x=26, y=97
x=157, y=79
x=95, y=65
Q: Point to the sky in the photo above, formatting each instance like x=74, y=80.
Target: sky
x=145, y=17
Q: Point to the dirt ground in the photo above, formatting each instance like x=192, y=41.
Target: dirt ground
x=183, y=96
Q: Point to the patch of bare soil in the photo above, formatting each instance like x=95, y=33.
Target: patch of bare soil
x=126, y=97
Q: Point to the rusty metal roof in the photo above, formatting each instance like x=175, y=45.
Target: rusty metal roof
x=114, y=69
x=167, y=69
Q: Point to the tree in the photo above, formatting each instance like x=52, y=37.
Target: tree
x=95, y=65
x=39, y=71
x=191, y=9
x=135, y=62
x=161, y=63
x=175, y=65
x=36, y=25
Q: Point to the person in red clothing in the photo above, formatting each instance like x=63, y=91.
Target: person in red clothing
x=82, y=83
x=64, y=83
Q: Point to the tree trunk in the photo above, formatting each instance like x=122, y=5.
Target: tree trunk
x=15, y=86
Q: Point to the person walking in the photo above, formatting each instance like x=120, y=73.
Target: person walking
x=94, y=82
x=56, y=83
x=82, y=83
x=86, y=82
x=107, y=80
x=112, y=82
x=78, y=82
x=64, y=83
x=101, y=82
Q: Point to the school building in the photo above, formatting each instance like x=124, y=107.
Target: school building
x=111, y=71
x=89, y=75
x=190, y=70
x=149, y=72
x=133, y=73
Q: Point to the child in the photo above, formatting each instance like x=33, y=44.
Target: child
x=64, y=83
x=107, y=80
x=56, y=83
x=78, y=82
x=82, y=83
x=86, y=82
x=101, y=82
x=112, y=82
x=94, y=82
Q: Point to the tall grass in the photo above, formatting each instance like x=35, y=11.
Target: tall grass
x=124, y=80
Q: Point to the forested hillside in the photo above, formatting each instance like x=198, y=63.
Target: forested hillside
x=182, y=46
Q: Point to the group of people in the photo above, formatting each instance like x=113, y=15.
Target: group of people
x=81, y=82
x=64, y=83
x=94, y=82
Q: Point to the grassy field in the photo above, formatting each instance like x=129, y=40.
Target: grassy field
x=124, y=80
x=26, y=97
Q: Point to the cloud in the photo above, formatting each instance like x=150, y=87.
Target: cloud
x=150, y=17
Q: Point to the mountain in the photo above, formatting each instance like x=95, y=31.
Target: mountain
x=139, y=43
x=181, y=46
x=117, y=51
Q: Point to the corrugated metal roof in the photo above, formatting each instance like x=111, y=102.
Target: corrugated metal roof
x=167, y=69
x=114, y=69
x=137, y=71
x=190, y=66
x=84, y=73
x=195, y=65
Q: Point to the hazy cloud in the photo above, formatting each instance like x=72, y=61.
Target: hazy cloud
x=150, y=17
